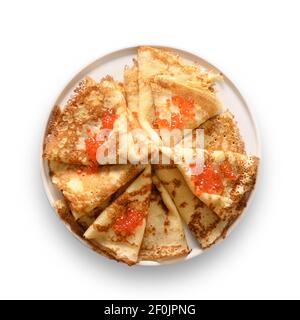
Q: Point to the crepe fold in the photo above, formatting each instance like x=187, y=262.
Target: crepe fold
x=91, y=107
x=164, y=236
x=159, y=68
x=205, y=225
x=231, y=178
x=104, y=233
x=220, y=133
x=85, y=190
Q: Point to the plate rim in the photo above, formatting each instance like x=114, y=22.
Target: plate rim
x=86, y=68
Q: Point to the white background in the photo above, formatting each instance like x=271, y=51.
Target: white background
x=44, y=43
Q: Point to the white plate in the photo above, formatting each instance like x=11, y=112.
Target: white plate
x=113, y=64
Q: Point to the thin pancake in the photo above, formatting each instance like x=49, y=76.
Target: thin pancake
x=139, y=144
x=105, y=232
x=88, y=190
x=225, y=183
x=164, y=235
x=220, y=132
x=131, y=88
x=205, y=225
x=154, y=61
x=81, y=119
x=178, y=105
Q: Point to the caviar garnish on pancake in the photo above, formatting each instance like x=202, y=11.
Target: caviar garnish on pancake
x=88, y=187
x=225, y=182
x=119, y=229
x=94, y=106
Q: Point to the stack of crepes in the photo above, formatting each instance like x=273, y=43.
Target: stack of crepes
x=135, y=212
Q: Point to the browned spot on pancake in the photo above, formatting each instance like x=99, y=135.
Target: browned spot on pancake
x=166, y=222
x=142, y=191
x=161, y=203
x=246, y=179
x=177, y=183
x=164, y=207
x=222, y=133
x=100, y=228
x=164, y=182
x=243, y=202
x=202, y=227
x=123, y=201
x=148, y=175
x=183, y=204
x=53, y=120
x=199, y=204
x=197, y=228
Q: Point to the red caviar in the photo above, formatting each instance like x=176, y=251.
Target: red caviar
x=91, y=145
x=135, y=114
x=210, y=180
x=227, y=171
x=186, y=106
x=92, y=168
x=128, y=221
x=162, y=123
x=176, y=121
x=186, y=109
x=108, y=119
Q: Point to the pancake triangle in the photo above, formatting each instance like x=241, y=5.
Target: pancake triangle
x=180, y=106
x=205, y=225
x=224, y=182
x=73, y=133
x=220, y=133
x=119, y=229
x=164, y=236
x=156, y=61
x=87, y=190
x=140, y=146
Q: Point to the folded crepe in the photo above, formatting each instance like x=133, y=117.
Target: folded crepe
x=131, y=87
x=223, y=182
x=140, y=146
x=205, y=225
x=158, y=61
x=74, y=133
x=86, y=189
x=220, y=132
x=119, y=229
x=164, y=236
x=180, y=106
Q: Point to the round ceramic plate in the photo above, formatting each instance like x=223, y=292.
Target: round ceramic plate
x=113, y=64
